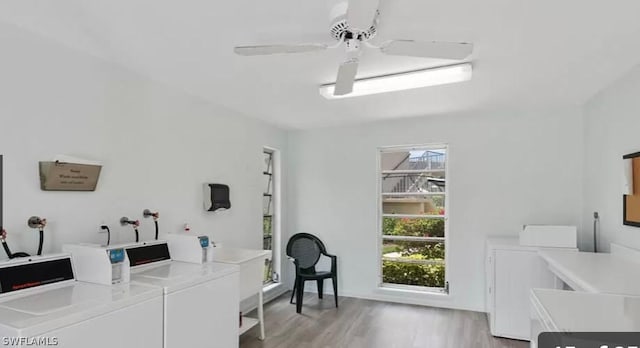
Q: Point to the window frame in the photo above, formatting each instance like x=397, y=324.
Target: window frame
x=380, y=215
x=275, y=214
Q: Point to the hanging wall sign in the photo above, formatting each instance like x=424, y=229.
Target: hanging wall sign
x=59, y=176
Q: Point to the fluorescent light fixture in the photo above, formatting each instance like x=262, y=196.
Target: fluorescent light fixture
x=402, y=81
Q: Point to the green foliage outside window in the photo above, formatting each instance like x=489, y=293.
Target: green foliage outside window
x=413, y=227
x=428, y=275
x=413, y=274
x=266, y=226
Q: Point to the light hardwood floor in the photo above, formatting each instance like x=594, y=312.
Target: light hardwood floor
x=370, y=324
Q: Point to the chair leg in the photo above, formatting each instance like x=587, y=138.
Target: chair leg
x=334, y=280
x=299, y=294
x=320, y=288
x=293, y=292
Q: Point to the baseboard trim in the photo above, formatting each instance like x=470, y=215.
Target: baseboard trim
x=444, y=303
x=427, y=300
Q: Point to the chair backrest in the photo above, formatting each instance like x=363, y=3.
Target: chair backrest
x=306, y=248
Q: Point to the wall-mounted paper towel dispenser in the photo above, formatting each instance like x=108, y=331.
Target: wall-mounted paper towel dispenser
x=216, y=196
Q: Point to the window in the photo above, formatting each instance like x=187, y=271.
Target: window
x=413, y=217
x=270, y=235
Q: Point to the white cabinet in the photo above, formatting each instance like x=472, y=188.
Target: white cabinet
x=251, y=263
x=512, y=271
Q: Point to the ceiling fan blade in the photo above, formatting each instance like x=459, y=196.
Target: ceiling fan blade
x=277, y=49
x=361, y=13
x=346, y=77
x=444, y=50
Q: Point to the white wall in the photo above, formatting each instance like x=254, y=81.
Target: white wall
x=612, y=129
x=506, y=169
x=158, y=147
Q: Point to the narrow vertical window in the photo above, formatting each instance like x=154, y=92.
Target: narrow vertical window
x=270, y=216
x=413, y=217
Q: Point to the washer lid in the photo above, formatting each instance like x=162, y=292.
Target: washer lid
x=175, y=275
x=39, y=310
x=50, y=301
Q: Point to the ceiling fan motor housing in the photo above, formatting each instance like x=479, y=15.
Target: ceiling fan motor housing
x=341, y=31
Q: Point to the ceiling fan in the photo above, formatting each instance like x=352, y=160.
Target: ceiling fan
x=355, y=23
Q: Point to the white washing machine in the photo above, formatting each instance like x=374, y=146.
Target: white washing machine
x=201, y=301
x=41, y=303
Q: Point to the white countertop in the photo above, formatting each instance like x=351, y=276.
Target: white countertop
x=579, y=311
x=595, y=273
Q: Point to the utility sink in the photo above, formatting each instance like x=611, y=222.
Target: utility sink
x=238, y=255
x=251, y=263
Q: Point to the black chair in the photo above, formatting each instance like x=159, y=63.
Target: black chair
x=304, y=250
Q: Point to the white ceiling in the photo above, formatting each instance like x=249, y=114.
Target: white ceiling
x=528, y=53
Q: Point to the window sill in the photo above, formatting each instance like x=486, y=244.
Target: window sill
x=394, y=289
x=270, y=286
